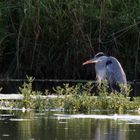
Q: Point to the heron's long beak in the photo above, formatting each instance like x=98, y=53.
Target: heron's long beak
x=89, y=62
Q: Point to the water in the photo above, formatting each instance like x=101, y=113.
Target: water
x=63, y=126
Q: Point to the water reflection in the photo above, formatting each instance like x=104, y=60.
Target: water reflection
x=48, y=126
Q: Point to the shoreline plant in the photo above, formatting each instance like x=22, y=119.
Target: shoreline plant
x=74, y=98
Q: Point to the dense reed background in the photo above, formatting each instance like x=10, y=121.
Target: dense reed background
x=51, y=38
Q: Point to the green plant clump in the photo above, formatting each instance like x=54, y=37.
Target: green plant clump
x=31, y=99
x=78, y=98
x=75, y=98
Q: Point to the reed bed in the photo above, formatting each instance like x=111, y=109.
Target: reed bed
x=51, y=39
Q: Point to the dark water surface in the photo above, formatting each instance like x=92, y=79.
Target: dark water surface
x=62, y=126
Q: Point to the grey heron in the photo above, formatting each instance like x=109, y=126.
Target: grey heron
x=108, y=68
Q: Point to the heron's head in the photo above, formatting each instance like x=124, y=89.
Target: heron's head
x=99, y=57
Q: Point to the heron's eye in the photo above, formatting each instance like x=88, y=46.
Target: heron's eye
x=108, y=62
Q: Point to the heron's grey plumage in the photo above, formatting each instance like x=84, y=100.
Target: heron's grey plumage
x=108, y=68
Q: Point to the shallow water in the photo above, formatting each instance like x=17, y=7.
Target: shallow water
x=15, y=125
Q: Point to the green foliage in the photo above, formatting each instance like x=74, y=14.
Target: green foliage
x=51, y=38
x=26, y=91
x=76, y=98
x=31, y=99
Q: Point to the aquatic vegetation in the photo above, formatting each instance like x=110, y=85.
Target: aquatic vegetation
x=80, y=99
x=31, y=99
x=75, y=98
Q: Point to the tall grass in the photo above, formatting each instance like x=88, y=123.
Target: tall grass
x=50, y=38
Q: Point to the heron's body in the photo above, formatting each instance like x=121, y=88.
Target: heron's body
x=108, y=68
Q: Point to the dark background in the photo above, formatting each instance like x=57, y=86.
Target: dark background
x=51, y=39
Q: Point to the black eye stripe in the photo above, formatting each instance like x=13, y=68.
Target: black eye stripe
x=108, y=62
